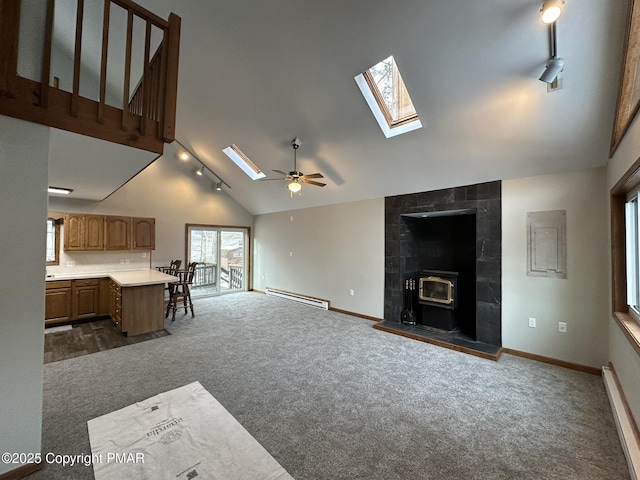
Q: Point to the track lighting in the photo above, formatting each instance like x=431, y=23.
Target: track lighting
x=186, y=154
x=554, y=66
x=551, y=10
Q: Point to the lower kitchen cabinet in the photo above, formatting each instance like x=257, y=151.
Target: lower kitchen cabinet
x=86, y=298
x=58, y=302
x=68, y=300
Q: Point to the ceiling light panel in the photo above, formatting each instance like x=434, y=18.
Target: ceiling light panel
x=242, y=161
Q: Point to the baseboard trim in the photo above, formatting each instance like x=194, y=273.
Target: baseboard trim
x=552, y=361
x=22, y=472
x=354, y=314
x=625, y=423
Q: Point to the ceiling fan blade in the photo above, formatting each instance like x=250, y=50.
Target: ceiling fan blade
x=281, y=173
x=314, y=175
x=311, y=182
x=268, y=179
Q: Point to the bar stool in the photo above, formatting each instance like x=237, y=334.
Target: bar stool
x=181, y=291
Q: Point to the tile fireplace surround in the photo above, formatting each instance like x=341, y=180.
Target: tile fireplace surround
x=483, y=201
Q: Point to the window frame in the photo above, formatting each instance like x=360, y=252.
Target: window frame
x=627, y=318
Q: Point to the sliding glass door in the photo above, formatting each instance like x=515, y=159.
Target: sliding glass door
x=221, y=256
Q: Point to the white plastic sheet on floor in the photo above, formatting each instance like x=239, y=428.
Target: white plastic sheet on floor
x=183, y=434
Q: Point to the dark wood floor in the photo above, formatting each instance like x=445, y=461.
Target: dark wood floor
x=89, y=337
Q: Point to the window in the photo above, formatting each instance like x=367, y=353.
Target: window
x=631, y=252
x=242, y=161
x=388, y=98
x=222, y=257
x=53, y=241
x=625, y=253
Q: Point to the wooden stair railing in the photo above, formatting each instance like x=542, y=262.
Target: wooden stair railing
x=145, y=120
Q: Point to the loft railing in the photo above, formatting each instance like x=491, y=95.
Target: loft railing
x=144, y=119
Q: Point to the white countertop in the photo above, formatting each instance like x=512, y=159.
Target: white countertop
x=126, y=278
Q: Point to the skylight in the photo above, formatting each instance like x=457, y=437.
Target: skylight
x=242, y=161
x=388, y=98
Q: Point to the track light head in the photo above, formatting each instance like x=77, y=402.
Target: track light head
x=551, y=10
x=219, y=186
x=554, y=66
x=200, y=171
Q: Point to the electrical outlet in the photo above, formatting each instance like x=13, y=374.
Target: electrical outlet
x=71, y=263
x=291, y=254
x=144, y=254
x=562, y=327
x=122, y=261
x=532, y=322
x=351, y=292
x=126, y=261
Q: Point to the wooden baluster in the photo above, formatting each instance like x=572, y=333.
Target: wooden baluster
x=75, y=95
x=145, y=81
x=127, y=73
x=9, y=34
x=103, y=65
x=171, y=74
x=46, y=56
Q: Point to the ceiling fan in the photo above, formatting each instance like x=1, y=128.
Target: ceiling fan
x=295, y=177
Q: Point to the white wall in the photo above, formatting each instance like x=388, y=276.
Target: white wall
x=580, y=300
x=622, y=355
x=325, y=252
x=23, y=203
x=169, y=192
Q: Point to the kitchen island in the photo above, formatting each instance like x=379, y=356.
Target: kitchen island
x=134, y=299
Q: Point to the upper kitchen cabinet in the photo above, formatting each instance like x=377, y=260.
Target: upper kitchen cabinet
x=117, y=233
x=144, y=233
x=83, y=232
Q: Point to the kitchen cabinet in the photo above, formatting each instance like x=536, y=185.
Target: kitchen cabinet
x=117, y=233
x=115, y=303
x=85, y=298
x=144, y=233
x=58, y=302
x=83, y=232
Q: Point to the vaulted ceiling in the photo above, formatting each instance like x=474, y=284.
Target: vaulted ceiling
x=259, y=73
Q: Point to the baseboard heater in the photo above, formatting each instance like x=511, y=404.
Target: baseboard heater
x=624, y=423
x=296, y=297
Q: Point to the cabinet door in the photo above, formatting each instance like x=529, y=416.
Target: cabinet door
x=86, y=301
x=94, y=232
x=57, y=305
x=118, y=233
x=73, y=232
x=144, y=233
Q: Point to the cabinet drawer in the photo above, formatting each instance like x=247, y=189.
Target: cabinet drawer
x=89, y=282
x=58, y=284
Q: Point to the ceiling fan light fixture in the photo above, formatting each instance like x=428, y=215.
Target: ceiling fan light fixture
x=294, y=187
x=551, y=10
